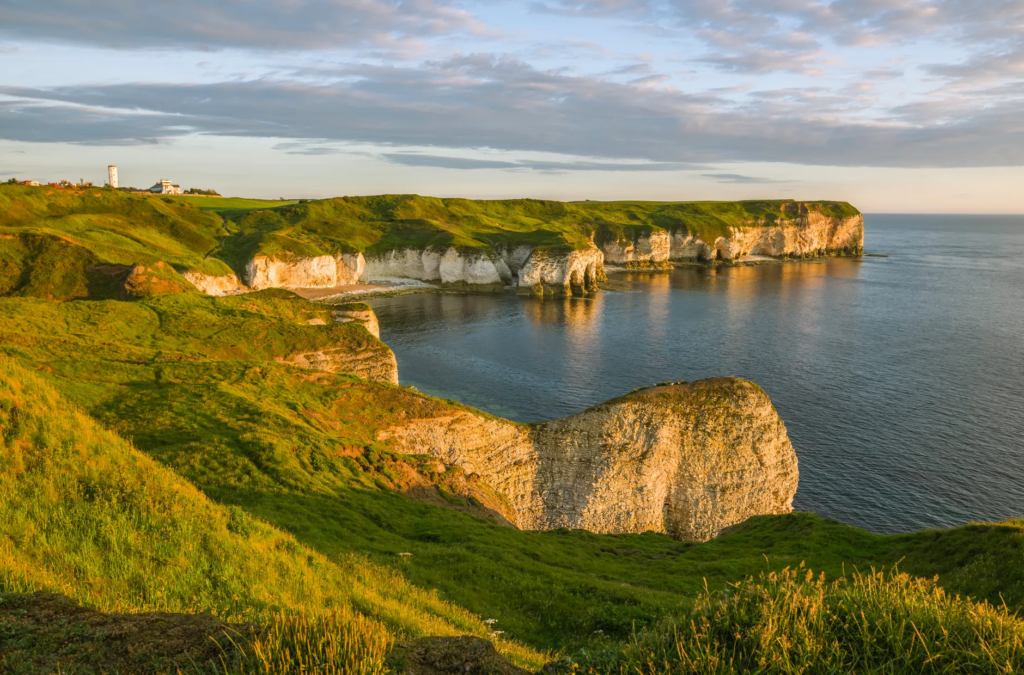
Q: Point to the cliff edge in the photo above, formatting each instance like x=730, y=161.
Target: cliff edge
x=685, y=459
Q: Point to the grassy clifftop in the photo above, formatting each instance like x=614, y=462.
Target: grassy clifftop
x=374, y=224
x=62, y=244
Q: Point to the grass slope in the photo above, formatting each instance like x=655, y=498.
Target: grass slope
x=192, y=382
x=87, y=515
x=42, y=228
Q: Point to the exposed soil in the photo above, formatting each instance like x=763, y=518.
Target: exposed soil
x=48, y=633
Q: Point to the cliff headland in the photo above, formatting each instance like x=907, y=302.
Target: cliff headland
x=539, y=248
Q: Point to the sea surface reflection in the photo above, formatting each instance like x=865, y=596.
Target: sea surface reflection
x=899, y=378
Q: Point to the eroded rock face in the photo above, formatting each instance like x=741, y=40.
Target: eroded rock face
x=809, y=233
x=560, y=273
x=535, y=272
x=460, y=266
x=227, y=284
x=376, y=363
x=689, y=460
x=654, y=248
x=357, y=312
x=323, y=271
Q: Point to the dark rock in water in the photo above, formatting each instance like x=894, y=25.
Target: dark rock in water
x=466, y=655
x=47, y=632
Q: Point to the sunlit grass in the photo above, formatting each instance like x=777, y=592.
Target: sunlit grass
x=796, y=622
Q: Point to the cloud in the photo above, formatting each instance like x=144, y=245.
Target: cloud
x=262, y=24
x=484, y=102
x=760, y=36
x=440, y=162
x=446, y=162
x=741, y=179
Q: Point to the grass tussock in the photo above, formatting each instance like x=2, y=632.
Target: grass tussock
x=795, y=622
x=339, y=642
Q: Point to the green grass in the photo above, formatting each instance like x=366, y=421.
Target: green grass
x=191, y=380
x=792, y=622
x=87, y=515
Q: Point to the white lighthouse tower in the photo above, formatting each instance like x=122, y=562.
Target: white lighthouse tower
x=112, y=174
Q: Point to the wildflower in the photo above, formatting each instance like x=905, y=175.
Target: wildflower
x=404, y=554
x=490, y=622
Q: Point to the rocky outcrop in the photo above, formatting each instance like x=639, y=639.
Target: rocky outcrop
x=655, y=247
x=561, y=273
x=686, y=459
x=809, y=233
x=159, y=278
x=357, y=312
x=375, y=362
x=324, y=271
x=227, y=284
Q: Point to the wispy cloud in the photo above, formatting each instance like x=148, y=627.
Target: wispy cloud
x=448, y=162
x=268, y=24
x=740, y=179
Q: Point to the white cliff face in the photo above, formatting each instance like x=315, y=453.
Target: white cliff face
x=227, y=284
x=469, y=267
x=561, y=273
x=323, y=271
x=685, y=246
x=406, y=263
x=535, y=272
x=358, y=313
x=453, y=266
x=808, y=234
x=689, y=460
x=655, y=248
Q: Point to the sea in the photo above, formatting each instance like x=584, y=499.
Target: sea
x=899, y=375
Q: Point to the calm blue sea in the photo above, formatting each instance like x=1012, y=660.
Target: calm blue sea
x=901, y=379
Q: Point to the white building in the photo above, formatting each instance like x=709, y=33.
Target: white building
x=165, y=187
x=112, y=176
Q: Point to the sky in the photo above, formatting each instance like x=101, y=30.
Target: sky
x=893, y=105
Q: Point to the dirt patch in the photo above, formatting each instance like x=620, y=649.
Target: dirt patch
x=48, y=633
x=464, y=655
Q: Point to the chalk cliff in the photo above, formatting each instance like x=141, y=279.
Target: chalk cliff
x=357, y=312
x=452, y=266
x=227, y=284
x=807, y=233
x=534, y=271
x=655, y=247
x=687, y=459
x=324, y=271
x=561, y=273
x=804, y=232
